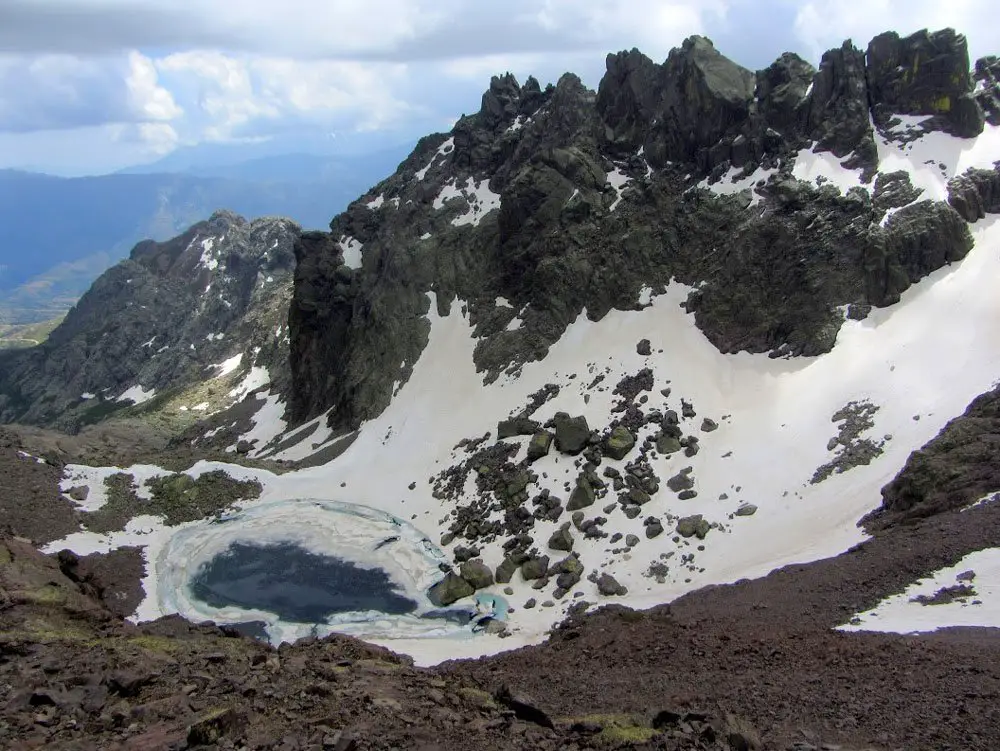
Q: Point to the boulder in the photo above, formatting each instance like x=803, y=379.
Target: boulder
x=691, y=526
x=619, y=443
x=505, y=571
x=561, y=539
x=583, y=495
x=516, y=426
x=535, y=568
x=667, y=444
x=608, y=586
x=79, y=492
x=572, y=433
x=449, y=590
x=644, y=348
x=631, y=540
x=747, y=509
x=681, y=481
x=539, y=445
x=477, y=574
x=708, y=425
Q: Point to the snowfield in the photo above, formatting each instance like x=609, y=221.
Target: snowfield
x=919, y=362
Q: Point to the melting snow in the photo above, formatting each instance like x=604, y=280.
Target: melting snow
x=256, y=378
x=376, y=202
x=87, y=395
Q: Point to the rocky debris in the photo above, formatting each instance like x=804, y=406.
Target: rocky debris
x=954, y=470
x=683, y=480
x=505, y=571
x=924, y=74
x=561, y=539
x=975, y=193
x=608, y=586
x=945, y=595
x=653, y=527
x=746, y=509
x=535, y=568
x=856, y=418
x=619, y=443
x=477, y=574
x=449, y=590
x=516, y=426
x=643, y=348
x=539, y=446
x=583, y=495
x=691, y=526
x=568, y=572
x=631, y=540
x=708, y=425
x=572, y=433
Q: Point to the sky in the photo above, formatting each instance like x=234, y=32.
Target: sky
x=93, y=86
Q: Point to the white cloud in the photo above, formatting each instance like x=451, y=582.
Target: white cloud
x=822, y=25
x=147, y=97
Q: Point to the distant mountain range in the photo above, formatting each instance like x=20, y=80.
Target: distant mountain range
x=58, y=234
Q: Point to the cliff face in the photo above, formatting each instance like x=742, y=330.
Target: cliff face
x=159, y=321
x=551, y=201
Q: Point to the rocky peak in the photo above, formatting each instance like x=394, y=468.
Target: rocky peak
x=838, y=109
x=923, y=74
x=783, y=90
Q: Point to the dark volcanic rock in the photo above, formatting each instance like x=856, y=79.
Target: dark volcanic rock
x=572, y=433
x=539, y=445
x=838, y=109
x=924, y=74
x=449, y=590
x=975, y=193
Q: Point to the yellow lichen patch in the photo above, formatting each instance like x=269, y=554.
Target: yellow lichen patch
x=476, y=697
x=50, y=594
x=942, y=105
x=616, y=729
x=155, y=643
x=5, y=556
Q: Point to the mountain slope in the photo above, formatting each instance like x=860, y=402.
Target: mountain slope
x=209, y=303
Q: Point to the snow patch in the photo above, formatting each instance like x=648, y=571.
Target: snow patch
x=906, y=614
x=730, y=183
x=823, y=167
x=137, y=394
x=351, y=249
x=619, y=180
x=228, y=366
x=208, y=260
x=376, y=203
x=255, y=379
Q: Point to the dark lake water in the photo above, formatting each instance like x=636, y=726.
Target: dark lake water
x=294, y=584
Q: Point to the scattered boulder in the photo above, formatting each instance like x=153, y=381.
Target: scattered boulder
x=561, y=539
x=681, y=481
x=644, y=348
x=572, y=433
x=631, y=540
x=691, y=526
x=535, y=568
x=449, y=590
x=708, y=425
x=505, y=571
x=477, y=574
x=667, y=444
x=79, y=492
x=516, y=426
x=654, y=527
x=583, y=495
x=608, y=586
x=619, y=443
x=539, y=445
x=747, y=509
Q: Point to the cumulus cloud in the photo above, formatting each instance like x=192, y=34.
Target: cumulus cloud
x=822, y=25
x=54, y=92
